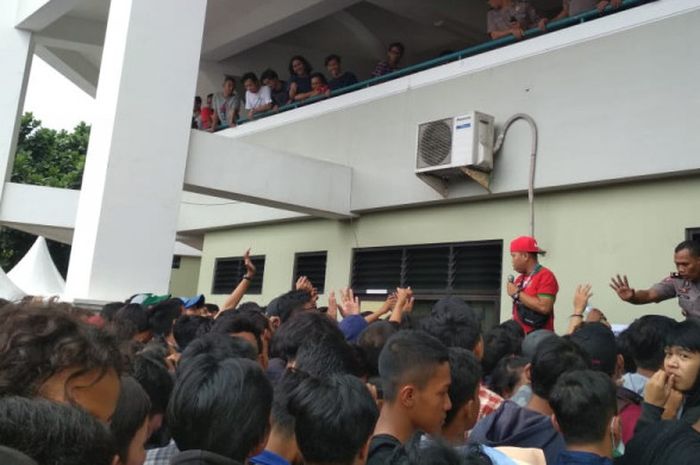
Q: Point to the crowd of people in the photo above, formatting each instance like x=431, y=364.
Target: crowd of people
x=158, y=380
x=268, y=92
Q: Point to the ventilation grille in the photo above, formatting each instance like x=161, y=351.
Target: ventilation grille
x=313, y=266
x=434, y=143
x=229, y=271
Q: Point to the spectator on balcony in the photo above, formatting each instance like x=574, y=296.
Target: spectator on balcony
x=299, y=78
x=258, y=99
x=393, y=57
x=279, y=90
x=226, y=106
x=319, y=86
x=576, y=7
x=197, y=113
x=512, y=17
x=339, y=79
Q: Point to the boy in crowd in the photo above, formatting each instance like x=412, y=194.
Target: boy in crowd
x=339, y=79
x=334, y=419
x=226, y=106
x=531, y=426
x=220, y=411
x=585, y=409
x=258, y=98
x=415, y=372
x=393, y=56
x=279, y=90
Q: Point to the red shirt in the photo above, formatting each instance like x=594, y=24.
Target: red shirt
x=540, y=283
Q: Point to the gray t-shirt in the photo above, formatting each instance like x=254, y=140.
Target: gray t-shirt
x=500, y=19
x=576, y=7
x=224, y=106
x=688, y=293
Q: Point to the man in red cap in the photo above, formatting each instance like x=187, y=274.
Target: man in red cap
x=534, y=290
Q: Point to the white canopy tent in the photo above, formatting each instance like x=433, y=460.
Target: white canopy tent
x=8, y=289
x=36, y=273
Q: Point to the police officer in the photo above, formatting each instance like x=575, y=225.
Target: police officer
x=685, y=284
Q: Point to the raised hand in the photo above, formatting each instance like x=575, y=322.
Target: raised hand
x=581, y=296
x=303, y=284
x=250, y=269
x=622, y=287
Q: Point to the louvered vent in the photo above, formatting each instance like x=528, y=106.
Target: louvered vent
x=229, y=271
x=313, y=266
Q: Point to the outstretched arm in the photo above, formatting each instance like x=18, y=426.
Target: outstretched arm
x=638, y=297
x=235, y=297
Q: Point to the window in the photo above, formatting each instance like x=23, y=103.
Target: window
x=469, y=270
x=176, y=262
x=692, y=234
x=229, y=271
x=471, y=267
x=313, y=266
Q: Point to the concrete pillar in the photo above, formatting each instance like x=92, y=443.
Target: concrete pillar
x=129, y=201
x=15, y=61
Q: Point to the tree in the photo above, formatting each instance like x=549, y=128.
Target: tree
x=44, y=157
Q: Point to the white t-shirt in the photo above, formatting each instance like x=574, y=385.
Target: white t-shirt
x=257, y=99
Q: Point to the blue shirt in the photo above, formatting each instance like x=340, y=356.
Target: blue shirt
x=268, y=458
x=570, y=457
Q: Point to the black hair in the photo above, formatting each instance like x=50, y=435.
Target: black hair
x=330, y=58
x=220, y=406
x=304, y=61
x=454, y=323
x=584, y=402
x=131, y=413
x=218, y=345
x=239, y=322
x=554, y=357
x=499, y=342
x=282, y=420
x=163, y=315
x=110, y=309
x=334, y=416
x=251, y=76
x=39, y=341
x=152, y=373
x=198, y=99
x=212, y=309
x=416, y=451
x=372, y=340
x=228, y=77
x=398, y=45
x=188, y=327
x=327, y=356
x=269, y=74
x=514, y=329
x=303, y=328
x=250, y=307
x=645, y=338
x=409, y=357
x=465, y=372
x=135, y=314
x=507, y=374
x=319, y=76
x=693, y=247
x=686, y=335
x=53, y=433
x=289, y=304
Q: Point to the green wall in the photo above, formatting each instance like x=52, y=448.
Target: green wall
x=590, y=234
x=184, y=280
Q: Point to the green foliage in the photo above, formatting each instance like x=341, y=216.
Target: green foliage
x=44, y=157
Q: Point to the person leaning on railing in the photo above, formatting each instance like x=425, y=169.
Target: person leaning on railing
x=576, y=7
x=279, y=90
x=512, y=17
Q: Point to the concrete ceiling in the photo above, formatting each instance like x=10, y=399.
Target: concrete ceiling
x=244, y=35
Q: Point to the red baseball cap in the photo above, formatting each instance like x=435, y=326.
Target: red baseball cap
x=525, y=244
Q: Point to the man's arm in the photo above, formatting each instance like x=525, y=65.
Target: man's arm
x=235, y=297
x=581, y=296
x=637, y=297
x=543, y=304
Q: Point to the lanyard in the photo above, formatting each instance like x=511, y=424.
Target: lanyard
x=526, y=282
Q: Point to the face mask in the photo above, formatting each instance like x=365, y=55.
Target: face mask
x=619, y=449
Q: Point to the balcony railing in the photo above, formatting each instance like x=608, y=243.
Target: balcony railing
x=459, y=55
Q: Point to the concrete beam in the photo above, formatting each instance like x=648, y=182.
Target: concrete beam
x=35, y=15
x=73, y=65
x=234, y=33
x=70, y=33
x=225, y=167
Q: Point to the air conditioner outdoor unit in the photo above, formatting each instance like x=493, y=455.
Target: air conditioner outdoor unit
x=455, y=146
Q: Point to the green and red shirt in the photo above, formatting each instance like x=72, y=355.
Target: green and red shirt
x=540, y=283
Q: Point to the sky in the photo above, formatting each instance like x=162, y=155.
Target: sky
x=54, y=100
